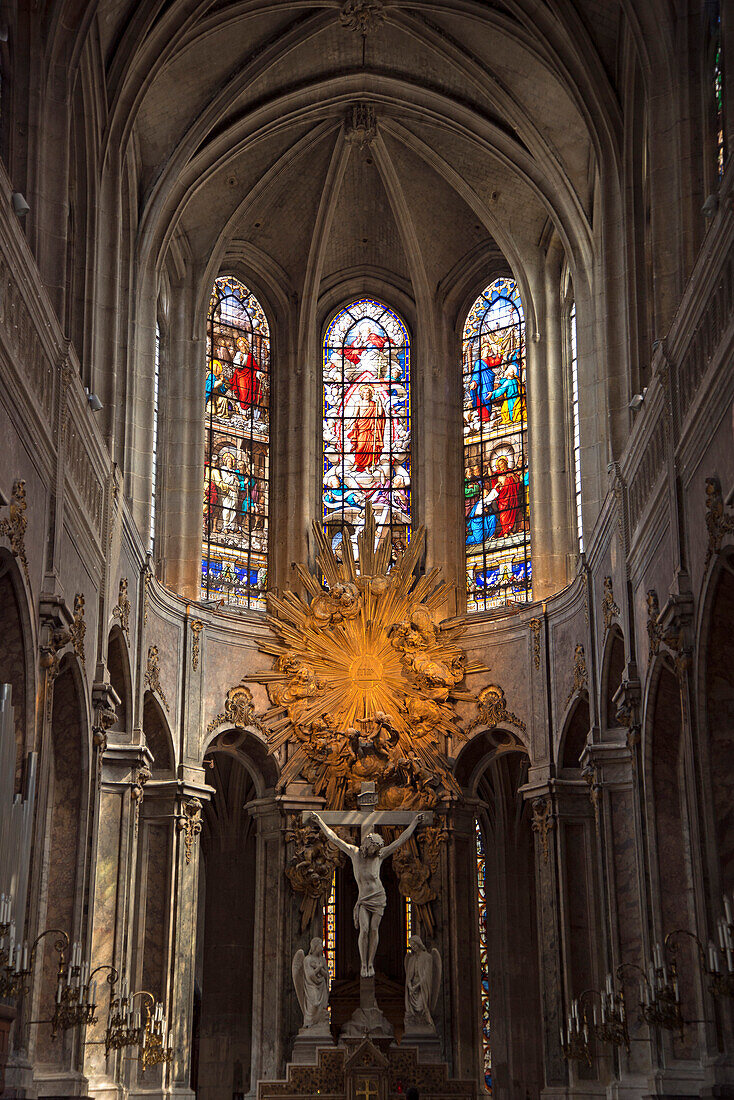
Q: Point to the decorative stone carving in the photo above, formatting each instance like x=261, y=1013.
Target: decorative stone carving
x=363, y=16
x=311, y=868
x=718, y=522
x=361, y=128
x=608, y=607
x=654, y=632
x=580, y=675
x=365, y=678
x=189, y=823
x=78, y=629
x=196, y=628
x=415, y=865
x=543, y=822
x=153, y=675
x=121, y=610
x=422, y=983
x=311, y=980
x=239, y=710
x=147, y=578
x=493, y=710
x=14, y=525
x=535, y=625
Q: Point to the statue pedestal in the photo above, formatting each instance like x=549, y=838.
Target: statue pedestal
x=309, y=1041
x=367, y=1020
x=425, y=1040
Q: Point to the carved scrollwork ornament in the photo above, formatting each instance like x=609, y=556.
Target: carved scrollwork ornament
x=153, y=675
x=78, y=629
x=106, y=718
x=535, y=627
x=239, y=710
x=580, y=675
x=311, y=868
x=719, y=523
x=493, y=710
x=13, y=526
x=361, y=128
x=189, y=823
x=196, y=628
x=591, y=776
x=121, y=610
x=654, y=631
x=543, y=822
x=609, y=608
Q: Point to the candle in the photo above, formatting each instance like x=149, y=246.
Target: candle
x=25, y=955
x=727, y=909
x=93, y=997
x=593, y=1013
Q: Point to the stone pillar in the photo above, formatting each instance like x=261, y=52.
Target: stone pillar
x=540, y=795
x=611, y=766
x=576, y=818
x=460, y=997
x=271, y=956
x=185, y=897
x=113, y=891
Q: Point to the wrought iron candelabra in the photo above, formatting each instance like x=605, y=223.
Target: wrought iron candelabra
x=608, y=1022
x=74, y=1003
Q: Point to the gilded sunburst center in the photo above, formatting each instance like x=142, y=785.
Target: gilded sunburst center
x=366, y=669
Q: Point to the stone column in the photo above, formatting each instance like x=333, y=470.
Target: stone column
x=457, y=925
x=113, y=893
x=271, y=957
x=611, y=766
x=540, y=795
x=185, y=913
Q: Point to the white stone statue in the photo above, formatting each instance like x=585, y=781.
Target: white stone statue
x=311, y=979
x=366, y=863
x=422, y=982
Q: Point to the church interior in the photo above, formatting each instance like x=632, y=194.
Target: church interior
x=366, y=549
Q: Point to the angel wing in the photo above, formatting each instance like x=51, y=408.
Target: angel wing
x=437, y=970
x=298, y=978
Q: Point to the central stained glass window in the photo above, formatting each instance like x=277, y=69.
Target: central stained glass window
x=367, y=425
x=497, y=520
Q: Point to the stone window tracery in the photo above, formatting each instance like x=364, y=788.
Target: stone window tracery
x=237, y=446
x=156, y=414
x=498, y=563
x=573, y=363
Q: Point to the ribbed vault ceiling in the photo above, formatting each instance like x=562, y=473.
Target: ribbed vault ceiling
x=492, y=119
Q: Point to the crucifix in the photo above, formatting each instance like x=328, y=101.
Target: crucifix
x=367, y=860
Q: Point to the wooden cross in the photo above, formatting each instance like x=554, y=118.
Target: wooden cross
x=367, y=816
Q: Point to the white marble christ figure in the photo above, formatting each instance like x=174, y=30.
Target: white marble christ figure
x=366, y=862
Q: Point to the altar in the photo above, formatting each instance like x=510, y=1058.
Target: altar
x=367, y=1070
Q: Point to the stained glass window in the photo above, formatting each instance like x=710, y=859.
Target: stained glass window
x=497, y=519
x=483, y=962
x=237, y=387
x=575, y=421
x=366, y=430
x=329, y=936
x=719, y=102
x=154, y=467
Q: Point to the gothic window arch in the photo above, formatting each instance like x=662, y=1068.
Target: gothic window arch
x=572, y=361
x=366, y=424
x=498, y=564
x=237, y=447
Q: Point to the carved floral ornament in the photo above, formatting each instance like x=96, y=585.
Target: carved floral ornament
x=365, y=679
x=580, y=675
x=153, y=675
x=121, y=610
x=13, y=526
x=363, y=16
x=718, y=522
x=609, y=608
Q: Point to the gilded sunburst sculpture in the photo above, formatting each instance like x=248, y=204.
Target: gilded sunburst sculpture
x=365, y=678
